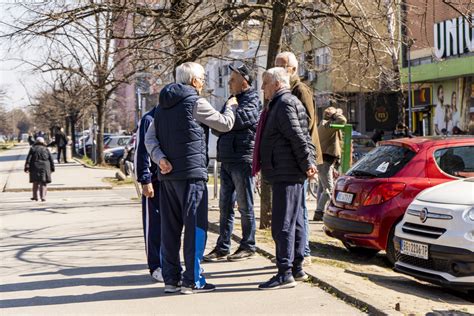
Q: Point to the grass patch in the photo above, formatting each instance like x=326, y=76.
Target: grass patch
x=117, y=182
x=330, y=262
x=7, y=146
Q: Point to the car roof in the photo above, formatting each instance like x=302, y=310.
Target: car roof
x=421, y=142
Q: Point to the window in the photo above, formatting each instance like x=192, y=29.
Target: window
x=456, y=161
x=220, y=77
x=382, y=162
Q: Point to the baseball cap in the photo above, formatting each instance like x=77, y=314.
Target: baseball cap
x=243, y=71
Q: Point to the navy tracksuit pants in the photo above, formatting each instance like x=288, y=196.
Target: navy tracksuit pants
x=183, y=203
x=288, y=226
x=152, y=228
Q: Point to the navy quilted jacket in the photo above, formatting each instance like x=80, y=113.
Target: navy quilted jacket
x=237, y=145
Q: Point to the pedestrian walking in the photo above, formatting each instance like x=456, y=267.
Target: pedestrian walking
x=299, y=89
x=146, y=172
x=60, y=140
x=177, y=142
x=39, y=164
x=287, y=158
x=331, y=139
x=234, y=151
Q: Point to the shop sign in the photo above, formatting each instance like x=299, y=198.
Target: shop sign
x=453, y=37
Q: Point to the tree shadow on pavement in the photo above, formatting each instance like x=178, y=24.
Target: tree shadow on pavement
x=115, y=295
x=129, y=280
x=409, y=286
x=12, y=158
x=92, y=270
x=340, y=253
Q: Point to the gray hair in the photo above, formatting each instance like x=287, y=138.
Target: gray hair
x=187, y=71
x=279, y=74
x=291, y=58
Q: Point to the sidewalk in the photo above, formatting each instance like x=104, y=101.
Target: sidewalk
x=67, y=177
x=365, y=282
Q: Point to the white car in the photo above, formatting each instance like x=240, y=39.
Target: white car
x=435, y=239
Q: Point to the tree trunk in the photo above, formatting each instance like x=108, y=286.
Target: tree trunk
x=100, y=130
x=73, y=122
x=274, y=46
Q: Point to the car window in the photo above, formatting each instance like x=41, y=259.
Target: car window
x=456, y=161
x=382, y=162
x=123, y=141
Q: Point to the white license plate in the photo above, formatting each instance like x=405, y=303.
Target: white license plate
x=414, y=249
x=344, y=197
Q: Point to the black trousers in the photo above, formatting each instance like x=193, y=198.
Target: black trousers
x=63, y=151
x=288, y=226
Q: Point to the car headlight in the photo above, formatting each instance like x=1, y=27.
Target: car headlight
x=470, y=214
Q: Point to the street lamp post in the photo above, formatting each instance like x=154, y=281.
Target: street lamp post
x=409, y=44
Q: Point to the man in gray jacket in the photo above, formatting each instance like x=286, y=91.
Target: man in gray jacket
x=177, y=142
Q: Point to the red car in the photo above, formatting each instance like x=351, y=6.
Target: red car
x=372, y=197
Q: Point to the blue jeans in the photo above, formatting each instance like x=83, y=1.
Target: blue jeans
x=307, y=251
x=236, y=184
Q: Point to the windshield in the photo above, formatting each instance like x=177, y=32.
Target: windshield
x=382, y=162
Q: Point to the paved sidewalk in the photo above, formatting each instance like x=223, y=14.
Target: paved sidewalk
x=82, y=253
x=70, y=176
x=362, y=281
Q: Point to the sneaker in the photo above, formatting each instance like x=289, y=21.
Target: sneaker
x=216, y=255
x=307, y=261
x=172, y=288
x=194, y=290
x=318, y=216
x=157, y=275
x=241, y=254
x=34, y=199
x=300, y=276
x=278, y=281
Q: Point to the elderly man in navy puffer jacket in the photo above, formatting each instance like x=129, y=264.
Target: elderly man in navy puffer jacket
x=234, y=151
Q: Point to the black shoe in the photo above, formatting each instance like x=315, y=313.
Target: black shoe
x=278, y=281
x=318, y=216
x=300, y=276
x=34, y=199
x=241, y=254
x=216, y=255
x=194, y=290
x=43, y=200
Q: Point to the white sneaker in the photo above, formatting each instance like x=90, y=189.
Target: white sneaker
x=157, y=276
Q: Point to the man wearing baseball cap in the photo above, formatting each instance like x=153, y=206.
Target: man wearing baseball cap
x=234, y=151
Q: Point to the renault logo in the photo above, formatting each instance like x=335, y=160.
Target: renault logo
x=424, y=215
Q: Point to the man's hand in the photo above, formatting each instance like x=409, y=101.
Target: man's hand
x=311, y=172
x=165, y=166
x=232, y=102
x=148, y=190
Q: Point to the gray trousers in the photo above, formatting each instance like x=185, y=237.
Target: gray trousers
x=326, y=185
x=41, y=187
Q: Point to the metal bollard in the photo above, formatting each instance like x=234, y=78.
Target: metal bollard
x=216, y=188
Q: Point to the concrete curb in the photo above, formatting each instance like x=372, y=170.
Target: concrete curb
x=87, y=166
x=61, y=189
x=349, y=298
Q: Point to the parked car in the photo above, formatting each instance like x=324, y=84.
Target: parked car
x=113, y=156
x=89, y=141
x=372, y=197
x=361, y=146
x=116, y=141
x=128, y=156
x=435, y=240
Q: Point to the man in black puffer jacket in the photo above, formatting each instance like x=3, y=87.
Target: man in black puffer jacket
x=287, y=158
x=234, y=151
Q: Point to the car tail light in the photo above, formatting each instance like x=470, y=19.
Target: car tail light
x=384, y=192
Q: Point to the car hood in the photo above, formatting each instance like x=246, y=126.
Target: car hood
x=453, y=192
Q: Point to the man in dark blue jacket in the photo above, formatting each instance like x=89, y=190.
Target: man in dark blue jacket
x=146, y=173
x=287, y=158
x=177, y=141
x=234, y=151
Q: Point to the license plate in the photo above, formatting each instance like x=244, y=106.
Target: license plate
x=344, y=197
x=414, y=249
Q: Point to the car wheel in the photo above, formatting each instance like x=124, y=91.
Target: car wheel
x=390, y=251
x=361, y=251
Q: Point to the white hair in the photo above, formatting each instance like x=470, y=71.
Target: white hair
x=279, y=74
x=291, y=58
x=187, y=71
